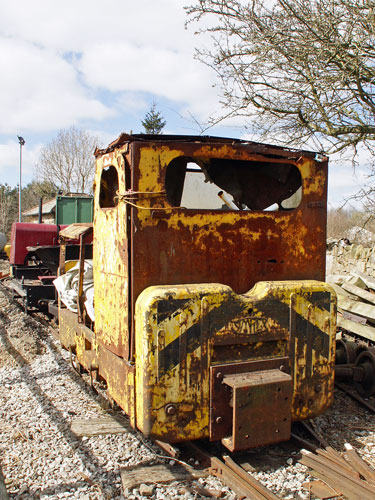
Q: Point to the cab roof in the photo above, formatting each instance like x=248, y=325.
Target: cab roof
x=125, y=138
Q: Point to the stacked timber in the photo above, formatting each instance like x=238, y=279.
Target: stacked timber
x=355, y=303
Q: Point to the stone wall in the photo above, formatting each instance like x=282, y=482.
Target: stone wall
x=342, y=259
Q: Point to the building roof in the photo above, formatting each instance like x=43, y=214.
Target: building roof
x=48, y=207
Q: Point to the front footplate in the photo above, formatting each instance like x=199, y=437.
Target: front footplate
x=251, y=407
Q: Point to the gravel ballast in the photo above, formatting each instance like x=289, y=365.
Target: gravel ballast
x=42, y=458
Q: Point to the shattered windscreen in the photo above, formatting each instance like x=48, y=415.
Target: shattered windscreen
x=222, y=184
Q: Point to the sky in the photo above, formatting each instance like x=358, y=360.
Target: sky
x=99, y=66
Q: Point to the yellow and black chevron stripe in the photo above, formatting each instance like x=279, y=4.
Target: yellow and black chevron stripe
x=183, y=330
x=234, y=309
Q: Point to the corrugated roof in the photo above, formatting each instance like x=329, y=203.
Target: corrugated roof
x=47, y=208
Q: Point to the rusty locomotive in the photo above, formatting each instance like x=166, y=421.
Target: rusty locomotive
x=211, y=315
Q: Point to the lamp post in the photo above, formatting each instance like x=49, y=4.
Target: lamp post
x=21, y=140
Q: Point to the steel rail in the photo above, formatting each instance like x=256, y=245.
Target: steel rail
x=354, y=395
x=351, y=487
x=258, y=486
x=244, y=487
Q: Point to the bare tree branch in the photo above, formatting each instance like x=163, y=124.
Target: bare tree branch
x=298, y=70
x=68, y=161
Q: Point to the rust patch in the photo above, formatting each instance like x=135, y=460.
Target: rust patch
x=181, y=293
x=221, y=414
x=261, y=403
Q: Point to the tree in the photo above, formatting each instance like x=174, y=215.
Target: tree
x=8, y=207
x=298, y=69
x=350, y=223
x=30, y=198
x=35, y=190
x=68, y=161
x=153, y=122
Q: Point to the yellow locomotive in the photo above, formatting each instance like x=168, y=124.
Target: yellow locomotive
x=212, y=319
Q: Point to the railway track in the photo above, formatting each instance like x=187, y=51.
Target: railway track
x=232, y=470
x=338, y=477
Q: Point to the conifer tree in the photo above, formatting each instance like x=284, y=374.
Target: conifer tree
x=153, y=122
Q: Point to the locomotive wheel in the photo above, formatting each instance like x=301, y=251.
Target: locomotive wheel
x=346, y=351
x=366, y=360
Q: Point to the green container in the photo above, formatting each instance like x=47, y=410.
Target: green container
x=70, y=209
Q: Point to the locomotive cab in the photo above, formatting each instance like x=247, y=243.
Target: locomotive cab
x=212, y=319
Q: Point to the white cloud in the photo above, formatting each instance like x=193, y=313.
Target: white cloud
x=131, y=102
x=344, y=181
x=70, y=63
x=39, y=90
x=75, y=25
x=10, y=162
x=164, y=72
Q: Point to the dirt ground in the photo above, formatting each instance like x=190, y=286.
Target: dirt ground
x=4, y=265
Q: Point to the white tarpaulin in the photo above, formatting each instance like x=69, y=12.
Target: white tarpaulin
x=67, y=287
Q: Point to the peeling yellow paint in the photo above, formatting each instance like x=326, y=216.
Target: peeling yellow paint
x=171, y=387
x=182, y=331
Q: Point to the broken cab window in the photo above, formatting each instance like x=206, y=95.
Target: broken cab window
x=222, y=184
x=108, y=187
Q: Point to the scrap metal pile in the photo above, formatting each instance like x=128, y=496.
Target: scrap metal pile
x=355, y=355
x=337, y=476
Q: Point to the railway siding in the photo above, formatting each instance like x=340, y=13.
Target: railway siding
x=42, y=458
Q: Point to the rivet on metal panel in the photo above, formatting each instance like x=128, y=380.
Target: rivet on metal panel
x=219, y=420
x=219, y=375
x=171, y=409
